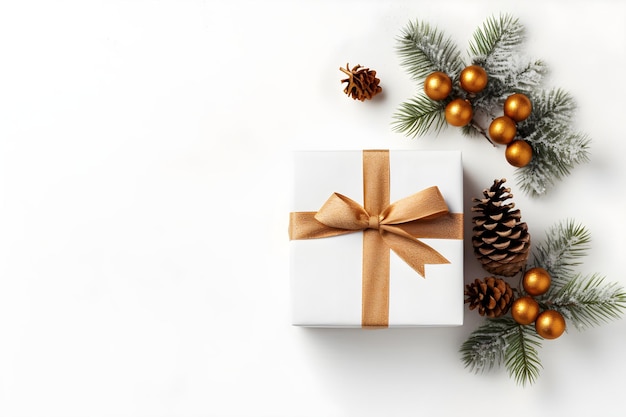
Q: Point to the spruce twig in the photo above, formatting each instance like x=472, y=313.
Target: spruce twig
x=588, y=301
x=522, y=359
x=496, y=47
x=502, y=340
x=425, y=49
x=564, y=244
x=556, y=148
x=419, y=115
x=494, y=44
x=484, y=348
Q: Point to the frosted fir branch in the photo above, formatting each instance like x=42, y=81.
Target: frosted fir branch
x=557, y=149
x=495, y=43
x=523, y=77
x=486, y=346
x=555, y=154
x=496, y=48
x=564, y=244
x=528, y=77
x=589, y=301
x=419, y=115
x=503, y=341
x=424, y=49
x=552, y=109
x=522, y=358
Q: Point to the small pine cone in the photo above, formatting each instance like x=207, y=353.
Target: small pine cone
x=501, y=241
x=493, y=296
x=362, y=83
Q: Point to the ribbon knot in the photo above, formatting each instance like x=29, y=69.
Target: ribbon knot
x=396, y=226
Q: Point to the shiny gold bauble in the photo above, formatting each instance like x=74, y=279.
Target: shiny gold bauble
x=437, y=85
x=459, y=112
x=502, y=130
x=550, y=324
x=518, y=107
x=473, y=79
x=536, y=281
x=525, y=310
x=518, y=153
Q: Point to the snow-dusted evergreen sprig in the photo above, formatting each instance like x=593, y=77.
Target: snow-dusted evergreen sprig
x=495, y=41
x=564, y=245
x=522, y=357
x=419, y=115
x=496, y=46
x=557, y=149
x=584, y=301
x=502, y=341
x=424, y=49
x=486, y=346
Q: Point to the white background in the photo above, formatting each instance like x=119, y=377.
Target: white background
x=144, y=194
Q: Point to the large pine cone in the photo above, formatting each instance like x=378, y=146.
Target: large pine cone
x=493, y=296
x=501, y=241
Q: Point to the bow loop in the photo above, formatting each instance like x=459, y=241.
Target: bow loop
x=423, y=205
x=341, y=212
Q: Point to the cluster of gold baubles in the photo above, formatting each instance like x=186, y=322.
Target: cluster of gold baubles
x=502, y=130
x=549, y=324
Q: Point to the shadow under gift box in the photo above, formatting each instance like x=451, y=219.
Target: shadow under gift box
x=340, y=280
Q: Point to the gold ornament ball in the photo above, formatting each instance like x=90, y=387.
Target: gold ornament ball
x=536, y=281
x=473, y=79
x=502, y=130
x=518, y=153
x=518, y=107
x=437, y=85
x=525, y=310
x=459, y=112
x=550, y=324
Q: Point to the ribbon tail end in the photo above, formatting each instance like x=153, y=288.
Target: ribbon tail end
x=421, y=269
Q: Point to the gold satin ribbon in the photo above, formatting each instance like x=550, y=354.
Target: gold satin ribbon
x=396, y=226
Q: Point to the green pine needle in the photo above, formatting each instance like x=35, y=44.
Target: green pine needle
x=555, y=154
x=419, y=115
x=550, y=107
x=503, y=341
x=424, y=49
x=588, y=301
x=556, y=148
x=495, y=43
x=528, y=77
x=485, y=347
x=564, y=244
x=522, y=359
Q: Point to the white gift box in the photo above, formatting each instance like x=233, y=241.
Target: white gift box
x=326, y=273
